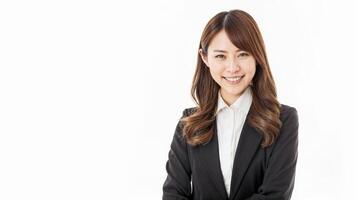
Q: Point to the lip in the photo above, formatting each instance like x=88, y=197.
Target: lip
x=234, y=82
x=233, y=76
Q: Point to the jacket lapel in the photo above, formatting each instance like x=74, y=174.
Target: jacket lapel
x=209, y=154
x=249, y=142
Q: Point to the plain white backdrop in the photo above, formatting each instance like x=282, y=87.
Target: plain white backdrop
x=91, y=92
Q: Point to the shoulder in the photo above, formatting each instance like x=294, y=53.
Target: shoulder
x=290, y=121
x=178, y=135
x=288, y=112
x=188, y=111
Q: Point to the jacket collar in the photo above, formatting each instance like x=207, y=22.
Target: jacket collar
x=248, y=144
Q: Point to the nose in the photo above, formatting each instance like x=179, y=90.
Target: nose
x=233, y=65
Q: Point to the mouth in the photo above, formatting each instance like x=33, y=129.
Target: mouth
x=234, y=79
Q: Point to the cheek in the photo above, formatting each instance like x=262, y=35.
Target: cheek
x=216, y=70
x=250, y=68
x=216, y=74
x=252, y=71
x=249, y=72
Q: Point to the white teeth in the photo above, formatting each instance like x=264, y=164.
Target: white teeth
x=236, y=78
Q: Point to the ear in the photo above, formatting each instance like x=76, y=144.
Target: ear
x=203, y=57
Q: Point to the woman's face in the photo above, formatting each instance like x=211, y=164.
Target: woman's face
x=230, y=67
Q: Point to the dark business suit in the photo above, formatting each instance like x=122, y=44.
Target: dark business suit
x=258, y=174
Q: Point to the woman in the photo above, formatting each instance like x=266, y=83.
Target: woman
x=239, y=142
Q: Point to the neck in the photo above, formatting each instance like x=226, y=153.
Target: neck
x=229, y=99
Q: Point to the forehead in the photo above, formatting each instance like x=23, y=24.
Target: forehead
x=222, y=42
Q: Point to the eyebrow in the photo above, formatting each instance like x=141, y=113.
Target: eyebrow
x=223, y=51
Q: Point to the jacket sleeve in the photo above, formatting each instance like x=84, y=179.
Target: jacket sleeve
x=177, y=184
x=278, y=181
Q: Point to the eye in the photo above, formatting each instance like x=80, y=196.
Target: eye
x=219, y=56
x=243, y=55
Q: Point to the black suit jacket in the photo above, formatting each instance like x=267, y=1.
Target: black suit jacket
x=258, y=173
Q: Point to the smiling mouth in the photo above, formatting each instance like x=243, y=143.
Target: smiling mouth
x=234, y=79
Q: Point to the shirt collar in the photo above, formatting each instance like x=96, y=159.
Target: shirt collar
x=242, y=103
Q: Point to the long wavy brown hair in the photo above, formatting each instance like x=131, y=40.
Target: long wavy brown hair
x=264, y=112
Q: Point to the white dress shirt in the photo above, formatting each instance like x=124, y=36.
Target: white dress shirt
x=230, y=120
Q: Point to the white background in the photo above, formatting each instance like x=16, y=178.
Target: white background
x=91, y=92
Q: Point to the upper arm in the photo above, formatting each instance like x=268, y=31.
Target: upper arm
x=278, y=180
x=177, y=183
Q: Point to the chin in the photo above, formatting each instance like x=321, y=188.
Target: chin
x=233, y=91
